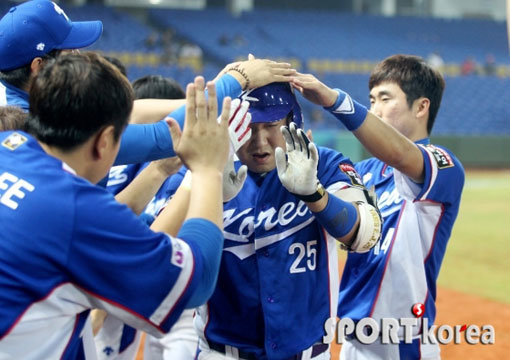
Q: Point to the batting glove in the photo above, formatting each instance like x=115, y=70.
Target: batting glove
x=239, y=124
x=240, y=132
x=298, y=170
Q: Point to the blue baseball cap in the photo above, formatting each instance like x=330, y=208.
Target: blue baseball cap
x=37, y=27
x=273, y=102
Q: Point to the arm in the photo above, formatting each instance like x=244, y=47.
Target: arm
x=243, y=75
x=387, y=144
x=174, y=212
x=146, y=184
x=203, y=148
x=147, y=111
x=143, y=143
x=379, y=138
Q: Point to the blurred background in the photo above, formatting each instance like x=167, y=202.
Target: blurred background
x=337, y=40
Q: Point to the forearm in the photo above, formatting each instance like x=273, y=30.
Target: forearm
x=339, y=218
x=142, y=143
x=142, y=189
x=390, y=146
x=147, y=111
x=380, y=139
x=172, y=217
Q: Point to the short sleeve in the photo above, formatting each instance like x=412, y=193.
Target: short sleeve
x=121, y=176
x=336, y=172
x=443, y=177
x=142, y=277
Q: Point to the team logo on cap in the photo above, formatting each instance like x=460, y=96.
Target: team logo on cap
x=14, y=141
x=60, y=11
x=246, y=96
x=40, y=46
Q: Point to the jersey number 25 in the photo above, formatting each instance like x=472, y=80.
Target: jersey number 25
x=300, y=266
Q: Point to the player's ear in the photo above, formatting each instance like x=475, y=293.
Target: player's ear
x=36, y=65
x=422, y=106
x=104, y=142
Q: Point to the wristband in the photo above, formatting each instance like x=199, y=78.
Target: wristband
x=350, y=112
x=338, y=217
x=316, y=196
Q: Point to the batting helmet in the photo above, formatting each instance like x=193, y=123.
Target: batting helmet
x=273, y=102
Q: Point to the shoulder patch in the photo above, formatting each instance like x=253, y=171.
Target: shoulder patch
x=14, y=141
x=177, y=258
x=352, y=174
x=443, y=159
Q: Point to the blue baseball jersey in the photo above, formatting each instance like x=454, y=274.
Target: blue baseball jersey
x=67, y=246
x=11, y=95
x=401, y=270
x=278, y=277
x=120, y=176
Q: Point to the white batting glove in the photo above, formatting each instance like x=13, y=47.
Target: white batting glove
x=297, y=171
x=240, y=132
x=233, y=182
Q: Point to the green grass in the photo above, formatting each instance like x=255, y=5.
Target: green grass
x=477, y=259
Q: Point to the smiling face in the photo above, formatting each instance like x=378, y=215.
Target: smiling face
x=258, y=152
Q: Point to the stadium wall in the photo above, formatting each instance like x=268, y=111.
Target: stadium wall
x=472, y=151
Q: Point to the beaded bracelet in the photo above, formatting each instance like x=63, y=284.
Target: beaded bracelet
x=243, y=74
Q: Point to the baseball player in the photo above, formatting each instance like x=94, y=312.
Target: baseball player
x=38, y=30
x=67, y=246
x=419, y=187
x=116, y=340
x=278, y=280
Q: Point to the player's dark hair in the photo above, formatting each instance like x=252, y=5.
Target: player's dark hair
x=416, y=79
x=75, y=96
x=116, y=61
x=12, y=118
x=157, y=87
x=20, y=77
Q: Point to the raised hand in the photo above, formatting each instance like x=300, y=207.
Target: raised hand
x=204, y=143
x=254, y=73
x=240, y=132
x=314, y=90
x=298, y=170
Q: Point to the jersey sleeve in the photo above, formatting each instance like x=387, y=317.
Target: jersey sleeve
x=121, y=176
x=443, y=177
x=336, y=172
x=145, y=142
x=141, y=277
x=226, y=85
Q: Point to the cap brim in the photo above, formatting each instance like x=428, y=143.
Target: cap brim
x=83, y=33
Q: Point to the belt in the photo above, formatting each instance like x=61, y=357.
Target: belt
x=317, y=349
x=222, y=349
